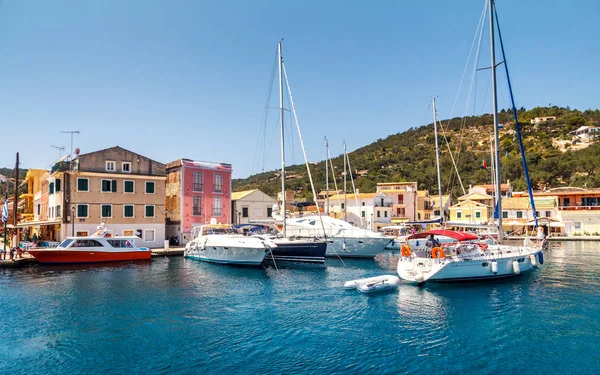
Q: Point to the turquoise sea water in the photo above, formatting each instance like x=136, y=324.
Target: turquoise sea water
x=177, y=316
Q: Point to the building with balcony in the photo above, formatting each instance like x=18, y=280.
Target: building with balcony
x=424, y=207
x=506, y=189
x=587, y=133
x=367, y=210
x=404, y=200
x=196, y=192
x=435, y=205
x=517, y=214
x=472, y=208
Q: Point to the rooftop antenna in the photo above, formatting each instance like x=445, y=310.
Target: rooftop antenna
x=71, y=132
x=60, y=150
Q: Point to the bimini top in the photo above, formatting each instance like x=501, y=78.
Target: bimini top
x=459, y=236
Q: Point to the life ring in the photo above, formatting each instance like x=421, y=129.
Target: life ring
x=405, y=251
x=482, y=246
x=437, y=252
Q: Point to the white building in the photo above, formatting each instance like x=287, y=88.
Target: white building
x=371, y=210
x=251, y=205
x=587, y=133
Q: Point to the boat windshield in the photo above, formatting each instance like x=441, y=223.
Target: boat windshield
x=65, y=243
x=219, y=231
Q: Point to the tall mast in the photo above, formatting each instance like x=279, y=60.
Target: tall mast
x=280, y=58
x=326, y=177
x=437, y=159
x=498, y=208
x=345, y=200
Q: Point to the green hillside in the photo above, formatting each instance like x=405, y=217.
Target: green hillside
x=555, y=158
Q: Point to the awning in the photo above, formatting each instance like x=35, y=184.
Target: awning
x=459, y=236
x=35, y=223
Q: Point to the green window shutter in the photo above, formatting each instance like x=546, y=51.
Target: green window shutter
x=57, y=185
x=82, y=184
x=149, y=211
x=128, y=187
x=82, y=210
x=128, y=211
x=149, y=187
x=106, y=210
x=114, y=186
x=51, y=188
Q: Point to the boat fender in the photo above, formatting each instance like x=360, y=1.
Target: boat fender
x=541, y=258
x=419, y=278
x=533, y=260
x=405, y=251
x=437, y=252
x=482, y=246
x=494, y=267
x=516, y=268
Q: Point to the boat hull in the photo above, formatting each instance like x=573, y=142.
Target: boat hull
x=243, y=256
x=79, y=256
x=349, y=247
x=298, y=251
x=447, y=270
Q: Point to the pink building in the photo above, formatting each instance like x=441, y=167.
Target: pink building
x=196, y=193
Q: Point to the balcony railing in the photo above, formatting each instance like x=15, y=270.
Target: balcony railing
x=197, y=187
x=578, y=206
x=197, y=211
x=61, y=166
x=379, y=204
x=217, y=212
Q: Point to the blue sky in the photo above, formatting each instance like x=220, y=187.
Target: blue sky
x=171, y=79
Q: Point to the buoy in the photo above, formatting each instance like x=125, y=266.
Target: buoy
x=495, y=267
x=405, y=251
x=541, y=257
x=516, y=268
x=533, y=260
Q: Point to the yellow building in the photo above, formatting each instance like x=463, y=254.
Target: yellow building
x=33, y=179
x=423, y=205
x=473, y=208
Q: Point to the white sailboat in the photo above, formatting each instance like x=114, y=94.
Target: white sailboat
x=465, y=258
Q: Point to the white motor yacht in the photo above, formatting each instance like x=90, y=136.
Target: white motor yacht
x=220, y=243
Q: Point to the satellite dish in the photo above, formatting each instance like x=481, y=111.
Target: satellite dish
x=77, y=151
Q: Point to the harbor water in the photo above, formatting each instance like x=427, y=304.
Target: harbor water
x=179, y=316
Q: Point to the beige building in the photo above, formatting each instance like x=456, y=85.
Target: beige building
x=251, y=205
x=404, y=199
x=424, y=210
x=473, y=208
x=114, y=186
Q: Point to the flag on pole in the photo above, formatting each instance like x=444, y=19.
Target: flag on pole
x=484, y=165
x=5, y=212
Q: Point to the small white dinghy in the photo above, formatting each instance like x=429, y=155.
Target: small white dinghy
x=373, y=284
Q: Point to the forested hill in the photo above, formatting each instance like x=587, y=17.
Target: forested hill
x=555, y=156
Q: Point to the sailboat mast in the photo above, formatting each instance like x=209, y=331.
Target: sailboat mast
x=345, y=200
x=437, y=159
x=280, y=58
x=326, y=177
x=498, y=208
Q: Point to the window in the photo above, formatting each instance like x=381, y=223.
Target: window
x=128, y=211
x=477, y=214
x=519, y=214
x=217, y=206
x=83, y=233
x=126, y=167
x=537, y=213
x=83, y=184
x=149, y=235
x=149, y=211
x=82, y=210
x=51, y=211
x=149, y=187
x=363, y=203
x=51, y=188
x=58, y=213
x=505, y=214
x=436, y=212
x=384, y=213
x=548, y=213
x=363, y=213
x=106, y=210
x=244, y=211
x=400, y=199
x=39, y=208
x=120, y=243
x=577, y=225
x=269, y=211
x=197, y=181
x=218, y=185
x=87, y=243
x=197, y=206
x=109, y=186
x=128, y=186
x=57, y=186
x=110, y=165
x=566, y=202
x=342, y=206
x=378, y=213
x=458, y=214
